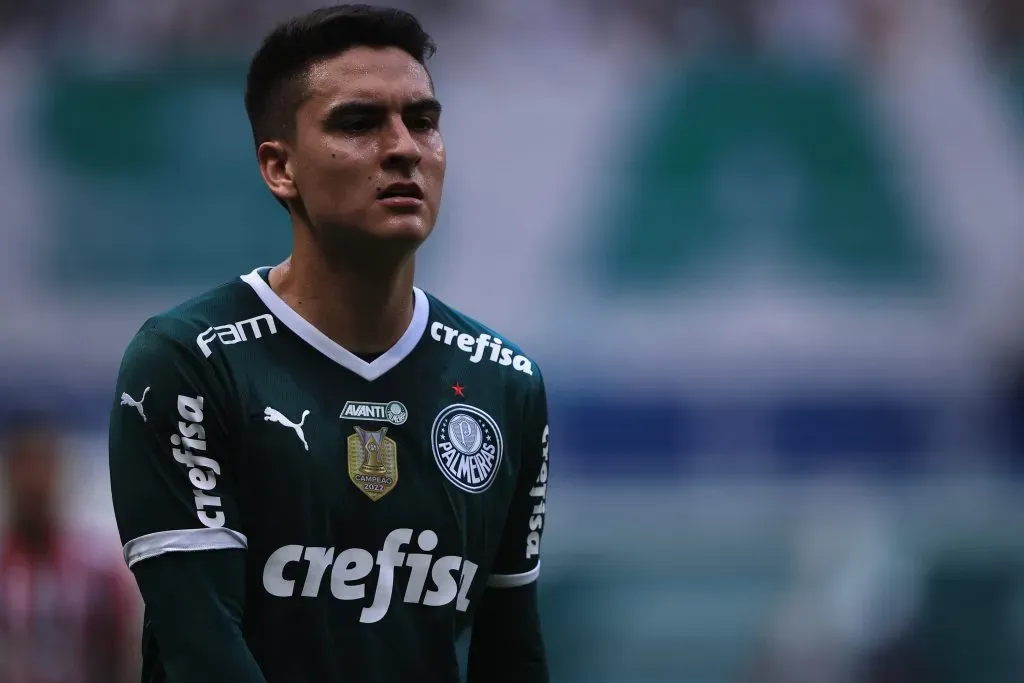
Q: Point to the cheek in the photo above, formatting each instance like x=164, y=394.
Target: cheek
x=336, y=161
x=440, y=153
x=434, y=163
x=330, y=170
x=335, y=156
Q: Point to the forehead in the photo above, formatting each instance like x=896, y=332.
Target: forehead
x=385, y=75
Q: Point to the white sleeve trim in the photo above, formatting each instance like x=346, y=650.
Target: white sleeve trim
x=513, y=580
x=182, y=541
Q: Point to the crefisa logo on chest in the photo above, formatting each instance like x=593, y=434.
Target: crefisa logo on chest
x=467, y=446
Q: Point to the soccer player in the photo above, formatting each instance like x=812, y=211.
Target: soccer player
x=68, y=612
x=320, y=472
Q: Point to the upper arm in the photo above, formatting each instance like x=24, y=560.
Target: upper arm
x=171, y=468
x=518, y=559
x=174, y=485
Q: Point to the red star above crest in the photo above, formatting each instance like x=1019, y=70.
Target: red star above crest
x=458, y=389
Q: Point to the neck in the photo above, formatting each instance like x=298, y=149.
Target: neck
x=364, y=309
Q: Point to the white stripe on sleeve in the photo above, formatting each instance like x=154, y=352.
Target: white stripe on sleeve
x=182, y=541
x=513, y=580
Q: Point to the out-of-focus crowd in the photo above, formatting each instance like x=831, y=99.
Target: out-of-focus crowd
x=69, y=609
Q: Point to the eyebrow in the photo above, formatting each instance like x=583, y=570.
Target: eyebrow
x=426, y=105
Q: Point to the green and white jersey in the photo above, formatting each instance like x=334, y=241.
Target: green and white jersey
x=374, y=501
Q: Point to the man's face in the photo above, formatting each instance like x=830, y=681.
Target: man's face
x=32, y=477
x=367, y=159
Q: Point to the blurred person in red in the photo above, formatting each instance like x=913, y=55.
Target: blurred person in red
x=67, y=610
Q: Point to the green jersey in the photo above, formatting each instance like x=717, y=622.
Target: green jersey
x=375, y=500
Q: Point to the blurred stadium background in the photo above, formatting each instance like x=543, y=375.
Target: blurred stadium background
x=767, y=252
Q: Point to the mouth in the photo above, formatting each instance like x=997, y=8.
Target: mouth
x=401, y=194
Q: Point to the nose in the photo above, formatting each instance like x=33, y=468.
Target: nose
x=401, y=151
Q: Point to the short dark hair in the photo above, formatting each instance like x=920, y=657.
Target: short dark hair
x=275, y=85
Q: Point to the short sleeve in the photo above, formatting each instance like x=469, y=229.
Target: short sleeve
x=170, y=457
x=518, y=559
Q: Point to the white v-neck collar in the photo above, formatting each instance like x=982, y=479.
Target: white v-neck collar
x=327, y=346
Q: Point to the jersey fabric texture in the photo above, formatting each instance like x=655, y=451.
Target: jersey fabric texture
x=374, y=501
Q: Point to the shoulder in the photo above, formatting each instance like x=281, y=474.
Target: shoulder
x=192, y=327
x=481, y=343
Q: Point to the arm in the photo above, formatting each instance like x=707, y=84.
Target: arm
x=194, y=603
x=507, y=645
x=172, y=478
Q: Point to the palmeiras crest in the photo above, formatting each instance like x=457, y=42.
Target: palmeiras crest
x=373, y=462
x=467, y=447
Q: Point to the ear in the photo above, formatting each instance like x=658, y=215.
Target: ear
x=275, y=166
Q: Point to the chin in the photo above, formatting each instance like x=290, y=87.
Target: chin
x=406, y=229
x=389, y=235
x=391, y=240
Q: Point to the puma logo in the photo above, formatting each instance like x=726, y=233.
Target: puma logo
x=272, y=415
x=127, y=400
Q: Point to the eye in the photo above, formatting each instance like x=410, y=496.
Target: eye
x=357, y=124
x=423, y=123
